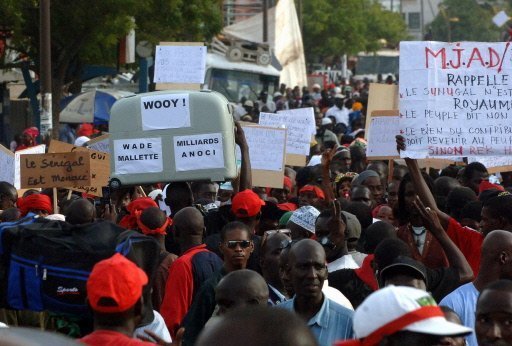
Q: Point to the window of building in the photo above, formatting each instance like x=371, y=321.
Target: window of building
x=414, y=20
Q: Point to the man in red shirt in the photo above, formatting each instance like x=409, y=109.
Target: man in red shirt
x=114, y=291
x=186, y=274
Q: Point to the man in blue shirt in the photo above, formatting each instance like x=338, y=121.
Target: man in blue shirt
x=307, y=271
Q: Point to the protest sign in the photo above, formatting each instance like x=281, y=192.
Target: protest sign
x=267, y=153
x=165, y=111
x=298, y=133
x=180, y=65
x=198, y=152
x=381, y=135
x=99, y=163
x=6, y=165
x=494, y=164
x=55, y=170
x=38, y=149
x=455, y=99
x=100, y=143
x=303, y=113
x=140, y=155
x=500, y=18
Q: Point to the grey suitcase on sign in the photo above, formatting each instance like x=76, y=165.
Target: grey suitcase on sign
x=172, y=136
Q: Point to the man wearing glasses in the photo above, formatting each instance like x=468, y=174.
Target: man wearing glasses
x=236, y=247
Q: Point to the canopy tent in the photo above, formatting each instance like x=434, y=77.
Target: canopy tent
x=284, y=37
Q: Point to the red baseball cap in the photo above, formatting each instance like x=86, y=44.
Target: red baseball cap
x=318, y=191
x=119, y=280
x=246, y=204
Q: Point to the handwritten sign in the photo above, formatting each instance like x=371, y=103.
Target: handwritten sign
x=55, y=170
x=456, y=99
x=100, y=143
x=306, y=113
x=38, y=149
x=381, y=137
x=142, y=155
x=99, y=163
x=266, y=147
x=165, y=111
x=198, y=152
x=6, y=165
x=298, y=126
x=180, y=64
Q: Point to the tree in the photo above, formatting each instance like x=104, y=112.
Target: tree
x=464, y=20
x=337, y=27
x=87, y=32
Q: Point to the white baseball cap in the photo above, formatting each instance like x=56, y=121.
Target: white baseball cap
x=396, y=308
x=326, y=121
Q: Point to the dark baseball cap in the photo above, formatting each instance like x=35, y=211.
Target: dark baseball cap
x=405, y=266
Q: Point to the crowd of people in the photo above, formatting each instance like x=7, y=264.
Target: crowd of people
x=347, y=252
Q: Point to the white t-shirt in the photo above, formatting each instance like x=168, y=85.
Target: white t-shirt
x=463, y=302
x=341, y=115
x=336, y=295
x=157, y=326
x=344, y=262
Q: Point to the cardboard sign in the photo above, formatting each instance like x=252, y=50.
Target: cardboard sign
x=198, y=152
x=180, y=65
x=55, y=170
x=165, y=111
x=302, y=113
x=100, y=143
x=6, y=165
x=455, y=98
x=267, y=153
x=99, y=163
x=381, y=135
x=381, y=97
x=38, y=149
x=142, y=155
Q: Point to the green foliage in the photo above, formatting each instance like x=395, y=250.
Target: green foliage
x=464, y=20
x=337, y=27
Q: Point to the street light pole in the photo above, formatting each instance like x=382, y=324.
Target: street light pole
x=45, y=73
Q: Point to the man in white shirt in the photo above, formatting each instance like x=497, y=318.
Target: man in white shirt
x=338, y=110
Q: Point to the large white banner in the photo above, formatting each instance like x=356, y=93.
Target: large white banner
x=456, y=99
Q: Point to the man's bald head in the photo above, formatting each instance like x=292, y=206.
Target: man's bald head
x=80, y=212
x=189, y=225
x=257, y=326
x=497, y=254
x=306, y=246
x=241, y=288
x=153, y=217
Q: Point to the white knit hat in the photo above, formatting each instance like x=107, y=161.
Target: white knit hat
x=305, y=217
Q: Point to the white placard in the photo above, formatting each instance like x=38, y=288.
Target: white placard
x=6, y=165
x=266, y=147
x=303, y=113
x=180, y=64
x=198, y=152
x=456, y=99
x=165, y=111
x=141, y=155
x=298, y=136
x=500, y=18
x=492, y=161
x=381, y=137
x=38, y=149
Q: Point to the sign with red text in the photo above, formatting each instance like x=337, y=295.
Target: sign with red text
x=456, y=99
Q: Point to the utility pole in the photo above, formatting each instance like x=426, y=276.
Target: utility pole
x=265, y=21
x=45, y=73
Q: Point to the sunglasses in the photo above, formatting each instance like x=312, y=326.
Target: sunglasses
x=232, y=244
x=287, y=243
